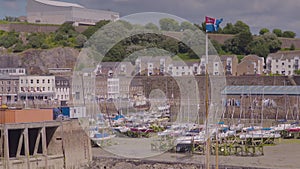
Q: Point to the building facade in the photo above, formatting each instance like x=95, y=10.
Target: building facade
x=37, y=87
x=8, y=89
x=13, y=71
x=283, y=63
x=62, y=90
x=251, y=65
x=57, y=12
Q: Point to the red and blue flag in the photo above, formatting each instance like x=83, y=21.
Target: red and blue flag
x=212, y=24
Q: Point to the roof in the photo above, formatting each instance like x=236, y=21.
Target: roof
x=58, y=3
x=285, y=54
x=262, y=90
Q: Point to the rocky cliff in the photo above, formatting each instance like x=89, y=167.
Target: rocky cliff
x=37, y=62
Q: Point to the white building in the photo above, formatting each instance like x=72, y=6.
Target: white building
x=284, y=63
x=215, y=66
x=37, y=87
x=113, y=88
x=56, y=12
x=13, y=71
x=62, y=89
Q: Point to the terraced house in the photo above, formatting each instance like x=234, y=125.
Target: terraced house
x=283, y=63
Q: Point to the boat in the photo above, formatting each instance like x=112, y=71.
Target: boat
x=101, y=136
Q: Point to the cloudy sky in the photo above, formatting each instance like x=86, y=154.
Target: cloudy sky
x=282, y=14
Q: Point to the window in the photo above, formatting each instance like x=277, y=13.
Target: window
x=48, y=80
x=282, y=63
x=43, y=88
x=37, y=81
x=289, y=66
x=21, y=81
x=31, y=81
x=43, y=81
x=276, y=60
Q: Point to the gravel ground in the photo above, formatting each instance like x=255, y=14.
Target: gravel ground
x=284, y=155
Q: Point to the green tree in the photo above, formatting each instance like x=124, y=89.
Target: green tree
x=263, y=31
x=265, y=44
x=187, y=25
x=240, y=26
x=36, y=40
x=238, y=44
x=277, y=32
x=218, y=47
x=272, y=41
x=292, y=47
x=80, y=40
x=289, y=34
x=151, y=26
x=8, y=39
x=169, y=24
x=228, y=29
x=259, y=47
x=92, y=29
x=19, y=47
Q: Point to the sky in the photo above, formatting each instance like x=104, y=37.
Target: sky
x=282, y=14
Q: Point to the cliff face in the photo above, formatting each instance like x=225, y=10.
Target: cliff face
x=37, y=62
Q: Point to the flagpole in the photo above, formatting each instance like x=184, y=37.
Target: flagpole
x=207, y=154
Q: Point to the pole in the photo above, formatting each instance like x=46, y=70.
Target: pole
x=207, y=154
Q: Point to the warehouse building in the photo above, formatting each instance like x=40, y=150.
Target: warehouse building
x=56, y=12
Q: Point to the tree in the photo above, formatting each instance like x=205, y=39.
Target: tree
x=8, y=39
x=292, y=47
x=151, y=26
x=169, y=24
x=238, y=44
x=228, y=29
x=272, y=41
x=265, y=44
x=289, y=34
x=258, y=47
x=93, y=29
x=240, y=26
x=218, y=47
x=263, y=31
x=277, y=32
x=36, y=40
x=80, y=40
x=19, y=47
x=187, y=25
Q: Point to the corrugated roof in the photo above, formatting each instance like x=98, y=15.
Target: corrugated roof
x=58, y=3
x=262, y=90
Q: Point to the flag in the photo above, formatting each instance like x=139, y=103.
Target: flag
x=212, y=24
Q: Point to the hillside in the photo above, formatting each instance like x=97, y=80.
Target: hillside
x=37, y=61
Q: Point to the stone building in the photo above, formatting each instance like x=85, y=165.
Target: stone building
x=251, y=65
